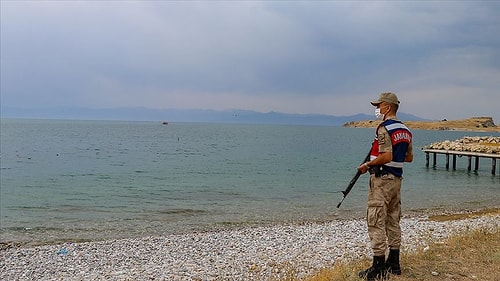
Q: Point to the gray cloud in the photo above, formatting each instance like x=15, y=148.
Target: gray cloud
x=305, y=57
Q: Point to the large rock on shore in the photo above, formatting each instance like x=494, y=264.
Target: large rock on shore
x=486, y=144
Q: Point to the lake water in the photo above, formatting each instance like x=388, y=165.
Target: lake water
x=88, y=180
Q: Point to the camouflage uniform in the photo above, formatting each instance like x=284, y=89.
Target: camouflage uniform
x=384, y=204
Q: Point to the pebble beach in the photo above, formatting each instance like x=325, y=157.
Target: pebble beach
x=256, y=253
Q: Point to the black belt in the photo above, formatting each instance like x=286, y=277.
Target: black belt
x=378, y=171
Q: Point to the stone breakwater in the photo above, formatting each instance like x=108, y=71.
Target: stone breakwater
x=486, y=144
x=247, y=254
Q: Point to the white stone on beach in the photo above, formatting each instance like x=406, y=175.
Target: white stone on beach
x=245, y=254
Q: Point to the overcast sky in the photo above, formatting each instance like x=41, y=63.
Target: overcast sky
x=441, y=58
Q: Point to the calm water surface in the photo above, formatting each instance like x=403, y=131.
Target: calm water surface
x=86, y=180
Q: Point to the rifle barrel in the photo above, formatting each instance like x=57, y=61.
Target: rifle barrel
x=353, y=181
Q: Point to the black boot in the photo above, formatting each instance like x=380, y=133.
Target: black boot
x=392, y=263
x=376, y=272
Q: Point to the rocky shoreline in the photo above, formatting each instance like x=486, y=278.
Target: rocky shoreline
x=476, y=124
x=257, y=253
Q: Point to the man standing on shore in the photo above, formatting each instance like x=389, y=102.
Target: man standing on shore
x=391, y=148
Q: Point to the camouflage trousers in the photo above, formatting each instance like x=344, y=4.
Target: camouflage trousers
x=384, y=213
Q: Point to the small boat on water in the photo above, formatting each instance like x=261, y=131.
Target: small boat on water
x=164, y=123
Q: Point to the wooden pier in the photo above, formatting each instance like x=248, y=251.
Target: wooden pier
x=454, y=155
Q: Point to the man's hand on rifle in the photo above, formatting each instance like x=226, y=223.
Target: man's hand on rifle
x=363, y=168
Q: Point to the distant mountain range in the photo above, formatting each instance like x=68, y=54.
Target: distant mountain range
x=189, y=115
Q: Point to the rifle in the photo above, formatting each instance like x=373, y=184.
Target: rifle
x=353, y=181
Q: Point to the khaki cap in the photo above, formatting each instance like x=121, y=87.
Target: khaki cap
x=386, y=97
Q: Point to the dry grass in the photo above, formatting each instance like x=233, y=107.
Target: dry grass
x=467, y=256
x=472, y=256
x=467, y=215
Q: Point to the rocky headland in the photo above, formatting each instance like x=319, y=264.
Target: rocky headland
x=478, y=124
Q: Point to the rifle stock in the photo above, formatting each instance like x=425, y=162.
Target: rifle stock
x=353, y=181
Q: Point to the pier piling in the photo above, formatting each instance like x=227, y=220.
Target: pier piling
x=454, y=154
